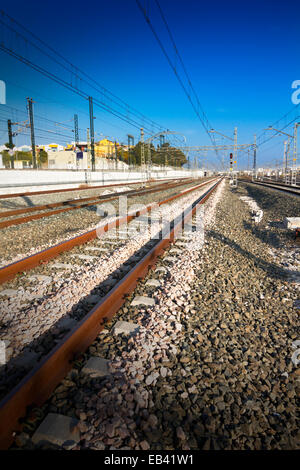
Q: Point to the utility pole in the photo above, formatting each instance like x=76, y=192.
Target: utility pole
x=30, y=110
x=285, y=159
x=88, y=151
x=148, y=155
x=116, y=155
x=294, y=166
x=142, y=149
x=161, y=143
x=234, y=172
x=76, y=139
x=254, y=159
x=143, y=152
x=11, y=144
x=130, y=142
x=76, y=130
x=92, y=132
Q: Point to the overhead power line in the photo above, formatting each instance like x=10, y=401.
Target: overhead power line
x=125, y=112
x=262, y=139
x=77, y=71
x=201, y=116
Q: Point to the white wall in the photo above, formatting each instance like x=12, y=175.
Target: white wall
x=12, y=181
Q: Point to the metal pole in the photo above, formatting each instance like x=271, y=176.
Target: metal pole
x=254, y=159
x=88, y=155
x=76, y=138
x=148, y=156
x=92, y=132
x=30, y=101
x=10, y=141
x=143, y=153
x=142, y=149
x=130, y=142
x=234, y=176
x=116, y=155
x=294, y=172
x=285, y=159
x=76, y=129
x=128, y=150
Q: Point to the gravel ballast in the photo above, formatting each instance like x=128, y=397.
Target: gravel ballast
x=210, y=366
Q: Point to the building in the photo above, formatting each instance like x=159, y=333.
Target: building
x=52, y=147
x=66, y=159
x=105, y=148
x=82, y=146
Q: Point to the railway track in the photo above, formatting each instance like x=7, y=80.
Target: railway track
x=36, y=386
x=21, y=240
x=84, y=188
x=11, y=270
x=278, y=186
x=74, y=204
x=33, y=297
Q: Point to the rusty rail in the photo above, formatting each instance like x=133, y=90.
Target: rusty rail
x=11, y=270
x=38, y=385
x=78, y=205
x=286, y=188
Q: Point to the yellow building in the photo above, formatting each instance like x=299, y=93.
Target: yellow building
x=105, y=148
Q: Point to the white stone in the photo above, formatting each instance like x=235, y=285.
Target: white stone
x=292, y=222
x=95, y=248
x=153, y=283
x=125, y=327
x=62, y=266
x=40, y=277
x=258, y=216
x=9, y=292
x=170, y=259
x=59, y=430
x=96, y=367
x=179, y=243
x=84, y=257
x=141, y=300
x=161, y=270
x=175, y=250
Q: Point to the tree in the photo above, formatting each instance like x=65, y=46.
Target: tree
x=7, y=159
x=9, y=146
x=159, y=155
x=170, y=155
x=42, y=157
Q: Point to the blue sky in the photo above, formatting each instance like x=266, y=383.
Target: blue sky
x=241, y=57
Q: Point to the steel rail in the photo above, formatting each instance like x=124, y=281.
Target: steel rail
x=51, y=191
x=11, y=270
x=26, y=210
x=38, y=384
x=278, y=183
x=78, y=205
x=268, y=181
x=287, y=189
